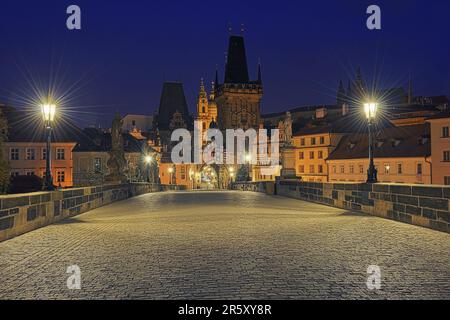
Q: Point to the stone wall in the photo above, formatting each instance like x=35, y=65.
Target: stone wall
x=422, y=205
x=22, y=213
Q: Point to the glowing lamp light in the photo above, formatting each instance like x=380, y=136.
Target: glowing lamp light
x=370, y=109
x=170, y=170
x=148, y=159
x=48, y=112
x=248, y=157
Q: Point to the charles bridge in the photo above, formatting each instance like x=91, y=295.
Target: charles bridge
x=289, y=240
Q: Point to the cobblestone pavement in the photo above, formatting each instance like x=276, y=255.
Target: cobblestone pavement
x=236, y=245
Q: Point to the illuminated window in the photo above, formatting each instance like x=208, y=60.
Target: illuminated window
x=320, y=155
x=311, y=154
x=445, y=132
x=14, y=154
x=320, y=168
x=60, y=176
x=60, y=154
x=446, y=156
x=300, y=155
x=31, y=155
x=352, y=168
x=387, y=168
x=342, y=169
x=361, y=168
x=302, y=141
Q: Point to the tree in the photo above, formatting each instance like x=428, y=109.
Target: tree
x=4, y=165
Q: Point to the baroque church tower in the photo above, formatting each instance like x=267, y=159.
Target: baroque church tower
x=238, y=98
x=206, y=108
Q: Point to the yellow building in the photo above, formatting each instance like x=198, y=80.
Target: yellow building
x=401, y=155
x=312, y=148
x=440, y=148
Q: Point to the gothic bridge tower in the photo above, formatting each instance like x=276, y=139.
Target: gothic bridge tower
x=238, y=98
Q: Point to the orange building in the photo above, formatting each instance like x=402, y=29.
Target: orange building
x=440, y=148
x=313, y=145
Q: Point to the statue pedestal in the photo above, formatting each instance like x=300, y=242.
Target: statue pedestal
x=288, y=163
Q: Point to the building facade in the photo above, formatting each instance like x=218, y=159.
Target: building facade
x=137, y=123
x=401, y=155
x=29, y=158
x=91, y=155
x=440, y=148
x=25, y=147
x=312, y=148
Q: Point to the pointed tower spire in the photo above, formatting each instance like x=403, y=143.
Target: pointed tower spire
x=236, y=70
x=410, y=91
x=202, y=89
x=216, y=80
x=340, y=94
x=349, y=94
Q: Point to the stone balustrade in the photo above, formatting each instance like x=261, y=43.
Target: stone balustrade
x=21, y=213
x=422, y=205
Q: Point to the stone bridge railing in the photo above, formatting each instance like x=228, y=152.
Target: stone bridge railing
x=422, y=205
x=20, y=213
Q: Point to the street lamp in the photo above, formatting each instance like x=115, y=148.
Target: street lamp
x=148, y=160
x=370, y=110
x=48, y=113
x=231, y=170
x=171, y=173
x=248, y=159
x=191, y=178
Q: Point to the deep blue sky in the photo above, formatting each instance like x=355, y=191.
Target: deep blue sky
x=126, y=49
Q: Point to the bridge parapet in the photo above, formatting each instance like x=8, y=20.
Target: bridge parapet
x=21, y=213
x=422, y=205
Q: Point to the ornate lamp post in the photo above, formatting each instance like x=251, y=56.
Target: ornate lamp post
x=148, y=160
x=370, y=110
x=48, y=113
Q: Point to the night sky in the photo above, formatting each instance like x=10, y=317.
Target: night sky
x=126, y=49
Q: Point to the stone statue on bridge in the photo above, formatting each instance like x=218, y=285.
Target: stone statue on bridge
x=117, y=162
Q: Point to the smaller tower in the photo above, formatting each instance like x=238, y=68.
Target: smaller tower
x=410, y=91
x=202, y=104
x=340, y=99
